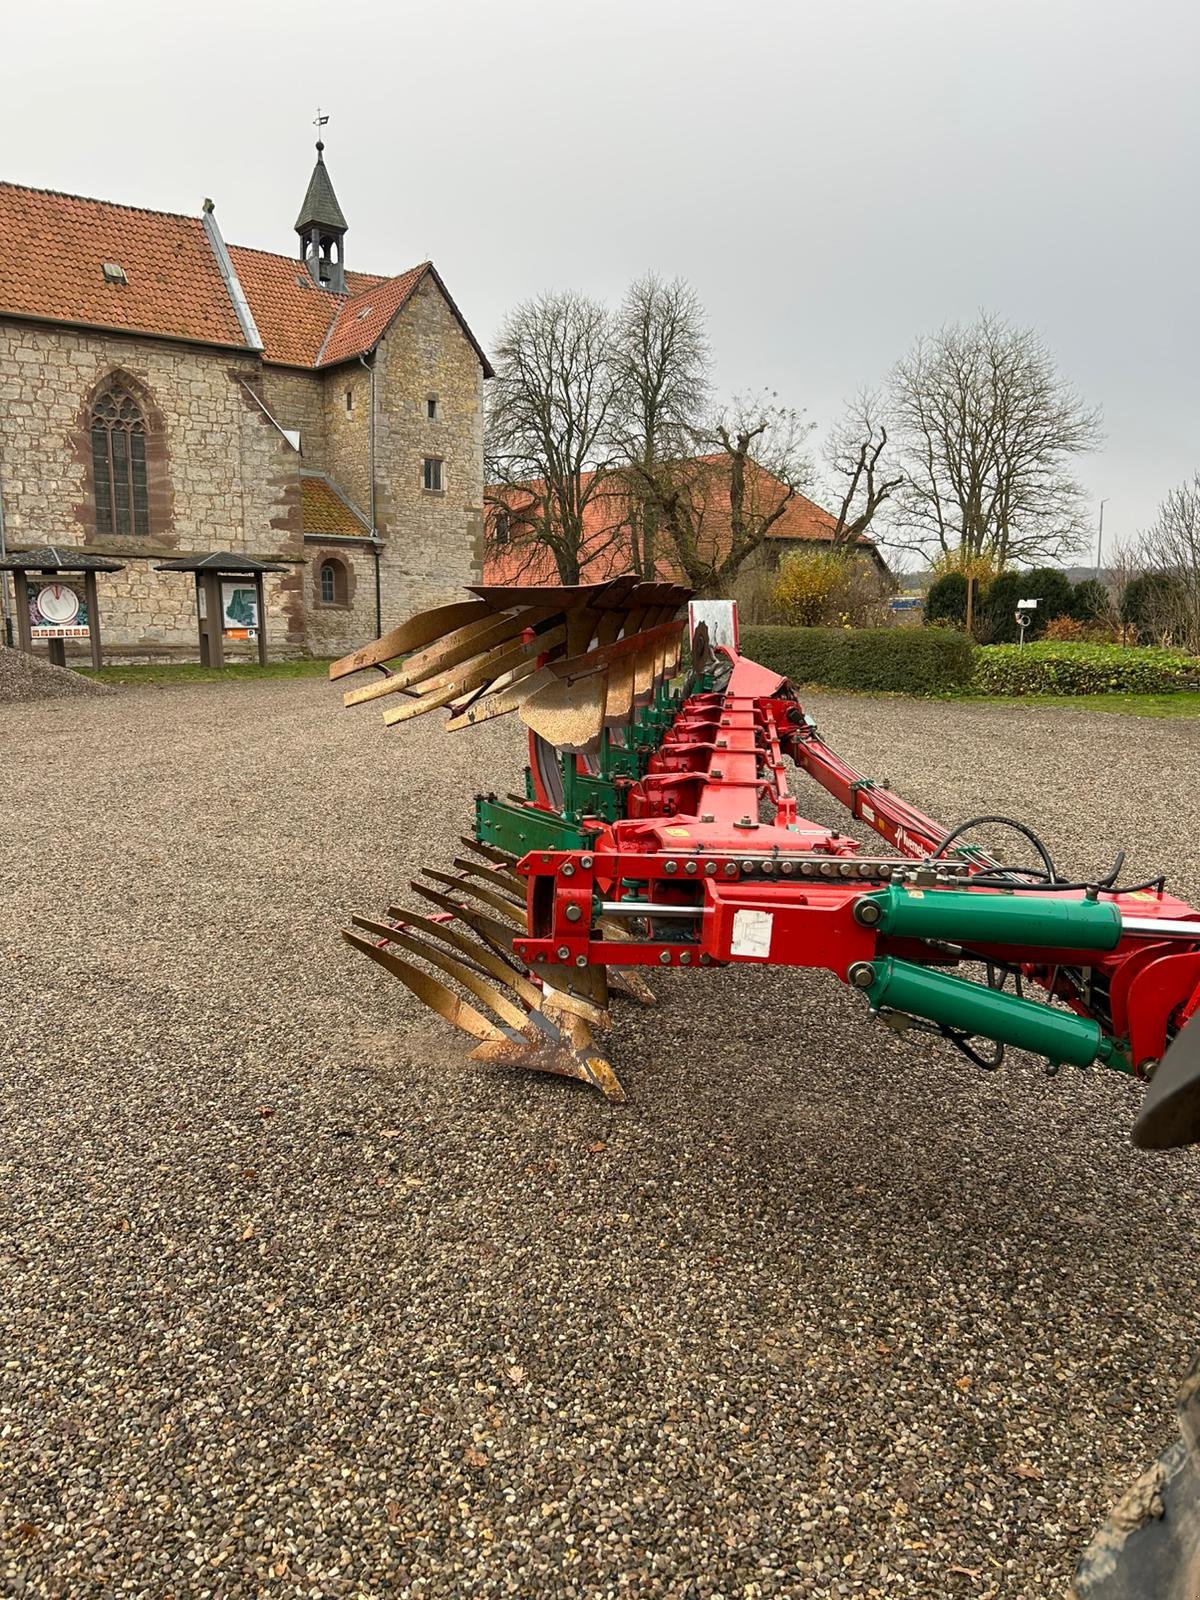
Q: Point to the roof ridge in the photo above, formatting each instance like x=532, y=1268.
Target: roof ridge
x=95, y=200
x=421, y=266
x=353, y=272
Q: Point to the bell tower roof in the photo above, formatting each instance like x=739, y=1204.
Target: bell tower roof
x=321, y=225
x=320, y=208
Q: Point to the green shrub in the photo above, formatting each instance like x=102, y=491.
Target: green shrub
x=947, y=600
x=1090, y=602
x=1059, y=668
x=1053, y=592
x=901, y=660
x=1151, y=603
x=998, y=608
x=998, y=612
x=801, y=654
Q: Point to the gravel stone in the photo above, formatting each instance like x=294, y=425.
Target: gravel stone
x=24, y=678
x=296, y=1301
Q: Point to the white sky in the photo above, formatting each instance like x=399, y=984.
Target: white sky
x=834, y=177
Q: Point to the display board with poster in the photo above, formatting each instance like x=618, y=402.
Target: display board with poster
x=58, y=610
x=239, y=609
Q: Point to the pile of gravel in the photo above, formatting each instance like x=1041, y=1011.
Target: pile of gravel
x=296, y=1301
x=24, y=678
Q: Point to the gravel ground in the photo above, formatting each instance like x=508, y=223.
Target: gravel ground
x=24, y=678
x=296, y=1302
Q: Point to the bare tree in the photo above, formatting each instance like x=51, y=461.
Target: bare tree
x=988, y=429
x=661, y=362
x=552, y=411
x=863, y=481
x=1123, y=567
x=1170, y=551
x=717, y=505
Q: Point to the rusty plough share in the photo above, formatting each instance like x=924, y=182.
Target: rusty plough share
x=580, y=666
x=657, y=830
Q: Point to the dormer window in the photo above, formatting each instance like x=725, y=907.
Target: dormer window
x=114, y=273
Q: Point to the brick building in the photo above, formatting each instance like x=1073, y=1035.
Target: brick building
x=165, y=394
x=611, y=544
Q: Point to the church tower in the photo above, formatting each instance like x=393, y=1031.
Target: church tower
x=322, y=227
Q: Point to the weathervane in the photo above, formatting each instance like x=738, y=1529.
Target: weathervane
x=319, y=122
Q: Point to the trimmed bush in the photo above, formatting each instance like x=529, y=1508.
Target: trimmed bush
x=1059, y=668
x=1091, y=602
x=997, y=611
x=1053, y=592
x=1049, y=587
x=889, y=660
x=947, y=600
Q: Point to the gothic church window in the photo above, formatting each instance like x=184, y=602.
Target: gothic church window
x=119, y=463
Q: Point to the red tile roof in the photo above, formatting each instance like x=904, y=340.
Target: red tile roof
x=362, y=320
x=61, y=242
x=324, y=510
x=607, y=546
x=292, y=314
x=175, y=288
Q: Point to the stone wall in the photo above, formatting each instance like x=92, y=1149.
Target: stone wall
x=335, y=630
x=348, y=433
x=231, y=478
x=295, y=399
x=432, y=541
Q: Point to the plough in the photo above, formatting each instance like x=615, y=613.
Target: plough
x=658, y=830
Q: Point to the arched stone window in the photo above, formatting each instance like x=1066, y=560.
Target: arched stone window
x=119, y=462
x=332, y=586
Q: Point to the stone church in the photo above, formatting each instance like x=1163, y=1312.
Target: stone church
x=165, y=395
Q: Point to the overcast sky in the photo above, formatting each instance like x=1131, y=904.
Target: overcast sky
x=833, y=177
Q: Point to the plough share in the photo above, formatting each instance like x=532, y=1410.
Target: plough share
x=658, y=830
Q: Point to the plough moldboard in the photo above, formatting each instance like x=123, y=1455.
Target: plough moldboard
x=657, y=829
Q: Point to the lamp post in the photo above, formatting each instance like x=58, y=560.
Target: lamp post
x=1100, y=535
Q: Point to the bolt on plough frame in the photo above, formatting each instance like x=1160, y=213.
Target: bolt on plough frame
x=657, y=830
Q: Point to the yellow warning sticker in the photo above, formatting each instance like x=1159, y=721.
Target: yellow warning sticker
x=677, y=833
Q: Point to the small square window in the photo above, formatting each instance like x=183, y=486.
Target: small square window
x=349, y=399
x=431, y=406
x=433, y=473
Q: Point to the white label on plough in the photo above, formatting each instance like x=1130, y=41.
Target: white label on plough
x=751, y=934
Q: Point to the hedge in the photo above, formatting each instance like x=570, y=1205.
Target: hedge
x=903, y=660
x=1082, y=669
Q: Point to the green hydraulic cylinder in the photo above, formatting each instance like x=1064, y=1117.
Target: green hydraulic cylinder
x=973, y=1008
x=982, y=917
